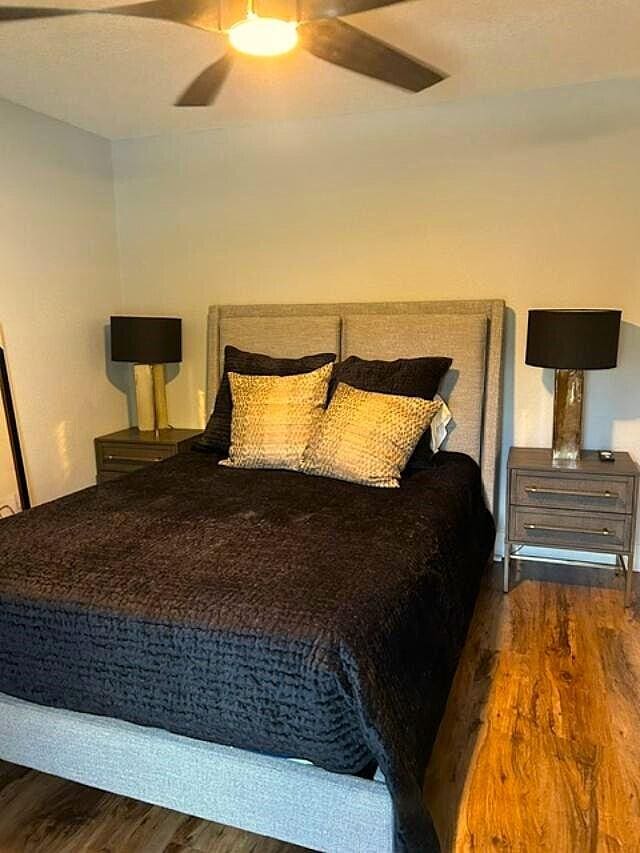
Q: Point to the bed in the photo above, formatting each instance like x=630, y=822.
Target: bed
x=379, y=578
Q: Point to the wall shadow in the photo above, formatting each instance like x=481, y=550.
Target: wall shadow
x=611, y=396
x=120, y=376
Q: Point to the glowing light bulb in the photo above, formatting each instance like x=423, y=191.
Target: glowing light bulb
x=263, y=36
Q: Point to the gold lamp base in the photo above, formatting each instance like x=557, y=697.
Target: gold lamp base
x=567, y=417
x=151, y=397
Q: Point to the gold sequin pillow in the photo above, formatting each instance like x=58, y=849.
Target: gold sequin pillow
x=367, y=437
x=273, y=417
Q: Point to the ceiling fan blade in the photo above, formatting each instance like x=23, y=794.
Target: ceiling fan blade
x=201, y=14
x=341, y=44
x=29, y=13
x=312, y=10
x=204, y=89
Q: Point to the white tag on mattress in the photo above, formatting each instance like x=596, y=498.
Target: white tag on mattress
x=439, y=424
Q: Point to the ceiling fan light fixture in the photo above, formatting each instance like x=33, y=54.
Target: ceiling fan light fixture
x=263, y=36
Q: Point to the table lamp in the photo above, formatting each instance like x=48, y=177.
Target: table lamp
x=571, y=341
x=149, y=343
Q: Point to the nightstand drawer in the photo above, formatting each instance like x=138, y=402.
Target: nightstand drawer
x=128, y=450
x=107, y=476
x=591, y=531
x=125, y=457
x=600, y=494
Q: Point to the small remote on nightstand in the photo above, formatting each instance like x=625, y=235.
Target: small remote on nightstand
x=607, y=455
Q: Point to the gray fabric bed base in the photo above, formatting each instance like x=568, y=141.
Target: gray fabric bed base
x=276, y=797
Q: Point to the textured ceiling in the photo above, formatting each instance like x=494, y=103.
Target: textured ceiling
x=119, y=76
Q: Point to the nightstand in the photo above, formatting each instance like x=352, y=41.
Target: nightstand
x=121, y=453
x=589, y=507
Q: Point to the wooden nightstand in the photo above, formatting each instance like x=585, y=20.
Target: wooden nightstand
x=591, y=507
x=121, y=453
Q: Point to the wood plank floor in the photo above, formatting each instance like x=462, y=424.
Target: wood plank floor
x=539, y=749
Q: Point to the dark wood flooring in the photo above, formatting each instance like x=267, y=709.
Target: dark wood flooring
x=539, y=749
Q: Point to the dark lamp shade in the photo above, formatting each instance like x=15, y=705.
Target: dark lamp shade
x=573, y=340
x=146, y=340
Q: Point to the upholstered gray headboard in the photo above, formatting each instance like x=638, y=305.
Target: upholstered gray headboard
x=469, y=331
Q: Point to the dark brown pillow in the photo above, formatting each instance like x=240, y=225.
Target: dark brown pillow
x=407, y=377
x=217, y=435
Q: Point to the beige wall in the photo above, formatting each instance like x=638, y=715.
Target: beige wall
x=534, y=198
x=531, y=197
x=59, y=283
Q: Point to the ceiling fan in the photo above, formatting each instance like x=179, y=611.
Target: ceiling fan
x=314, y=25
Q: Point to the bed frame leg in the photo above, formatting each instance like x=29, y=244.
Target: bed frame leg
x=506, y=564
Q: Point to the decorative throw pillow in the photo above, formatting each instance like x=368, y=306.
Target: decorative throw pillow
x=406, y=377
x=274, y=416
x=367, y=437
x=217, y=434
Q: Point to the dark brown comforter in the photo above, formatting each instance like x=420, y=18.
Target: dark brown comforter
x=294, y=615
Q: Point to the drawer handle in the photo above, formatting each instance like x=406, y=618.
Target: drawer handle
x=574, y=493
x=133, y=459
x=555, y=529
